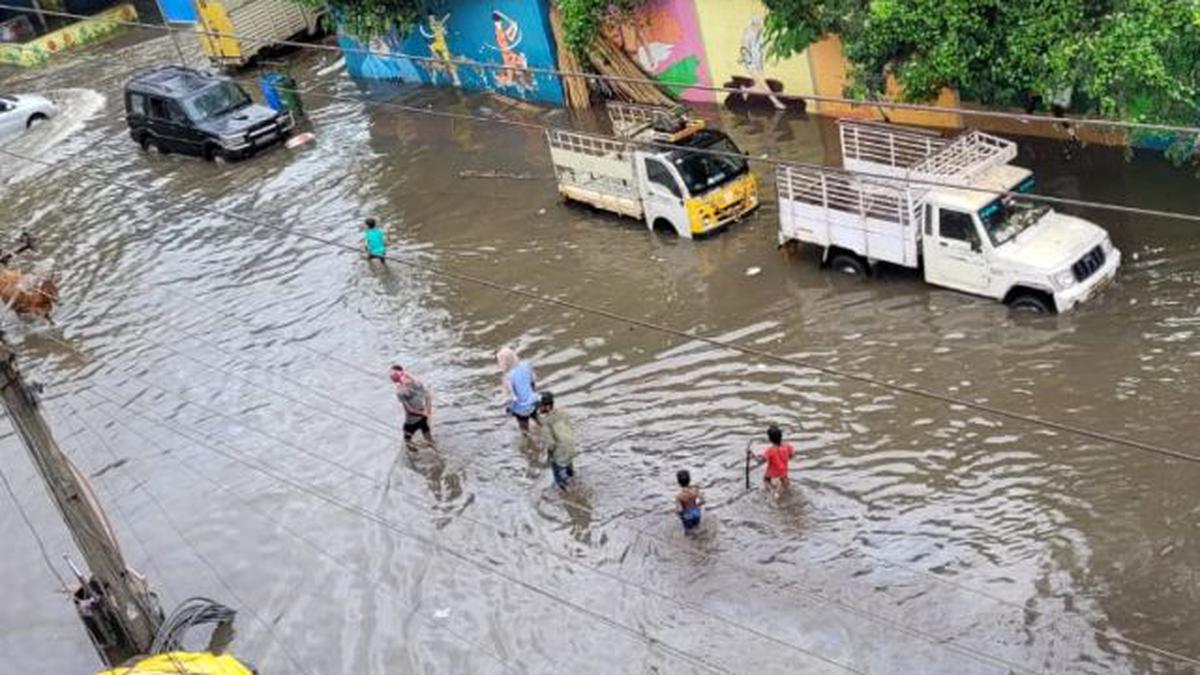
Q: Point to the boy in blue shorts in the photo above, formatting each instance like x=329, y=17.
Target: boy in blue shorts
x=688, y=501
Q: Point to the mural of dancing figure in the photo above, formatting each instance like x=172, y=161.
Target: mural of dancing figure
x=379, y=63
x=440, y=49
x=508, y=37
x=757, y=89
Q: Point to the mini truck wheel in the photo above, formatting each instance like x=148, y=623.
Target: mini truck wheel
x=850, y=265
x=1029, y=303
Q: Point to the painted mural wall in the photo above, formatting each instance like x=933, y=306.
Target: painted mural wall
x=735, y=43
x=40, y=49
x=512, y=33
x=665, y=40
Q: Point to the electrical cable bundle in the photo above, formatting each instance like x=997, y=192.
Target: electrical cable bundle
x=189, y=614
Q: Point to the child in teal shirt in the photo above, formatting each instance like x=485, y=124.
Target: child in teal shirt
x=376, y=243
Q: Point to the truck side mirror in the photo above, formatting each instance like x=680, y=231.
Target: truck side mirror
x=976, y=246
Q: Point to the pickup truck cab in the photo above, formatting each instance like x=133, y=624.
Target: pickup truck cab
x=918, y=200
x=176, y=109
x=673, y=172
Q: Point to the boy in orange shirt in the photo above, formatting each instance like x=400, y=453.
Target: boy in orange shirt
x=777, y=457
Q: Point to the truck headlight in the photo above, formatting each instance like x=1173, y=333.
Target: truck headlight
x=233, y=140
x=1064, y=280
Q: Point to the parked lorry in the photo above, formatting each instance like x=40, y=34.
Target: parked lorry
x=673, y=172
x=916, y=199
x=232, y=32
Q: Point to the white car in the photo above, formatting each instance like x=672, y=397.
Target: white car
x=20, y=112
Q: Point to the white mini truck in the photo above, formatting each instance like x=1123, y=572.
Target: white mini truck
x=673, y=172
x=916, y=199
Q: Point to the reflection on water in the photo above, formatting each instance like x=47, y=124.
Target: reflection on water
x=917, y=537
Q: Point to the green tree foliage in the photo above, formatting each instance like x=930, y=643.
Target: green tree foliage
x=1136, y=59
x=583, y=19
x=365, y=19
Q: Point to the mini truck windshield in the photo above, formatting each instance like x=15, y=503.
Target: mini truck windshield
x=701, y=171
x=215, y=100
x=1005, y=218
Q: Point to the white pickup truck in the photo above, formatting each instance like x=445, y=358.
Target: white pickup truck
x=959, y=231
x=673, y=173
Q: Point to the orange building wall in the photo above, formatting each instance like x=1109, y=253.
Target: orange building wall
x=830, y=74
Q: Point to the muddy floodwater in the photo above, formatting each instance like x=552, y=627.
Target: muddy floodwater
x=226, y=381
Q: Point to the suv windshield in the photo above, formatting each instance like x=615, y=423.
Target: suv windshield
x=1005, y=218
x=216, y=100
x=702, y=171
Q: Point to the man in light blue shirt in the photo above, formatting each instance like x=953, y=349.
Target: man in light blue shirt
x=520, y=387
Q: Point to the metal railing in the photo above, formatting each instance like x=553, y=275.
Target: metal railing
x=588, y=144
x=893, y=146
x=839, y=192
x=969, y=155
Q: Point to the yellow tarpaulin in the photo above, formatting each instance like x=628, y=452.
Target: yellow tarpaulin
x=215, y=30
x=192, y=663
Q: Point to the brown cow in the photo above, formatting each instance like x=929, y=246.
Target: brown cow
x=28, y=295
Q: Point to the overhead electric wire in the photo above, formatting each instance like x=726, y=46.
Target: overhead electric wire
x=488, y=566
x=33, y=532
x=162, y=510
x=937, y=641
x=824, y=169
x=719, y=343
x=819, y=596
x=113, y=498
x=1085, y=625
x=265, y=514
x=662, y=83
x=642, y=531
x=683, y=334
x=1030, y=419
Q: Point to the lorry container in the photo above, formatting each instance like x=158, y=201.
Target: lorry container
x=916, y=199
x=666, y=169
x=232, y=32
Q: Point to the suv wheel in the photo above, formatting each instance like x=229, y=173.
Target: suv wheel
x=149, y=144
x=214, y=154
x=34, y=120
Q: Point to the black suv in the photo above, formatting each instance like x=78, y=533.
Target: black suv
x=175, y=109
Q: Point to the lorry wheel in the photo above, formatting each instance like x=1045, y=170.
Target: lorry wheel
x=1030, y=304
x=849, y=264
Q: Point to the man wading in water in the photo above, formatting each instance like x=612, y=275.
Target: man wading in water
x=417, y=404
x=519, y=388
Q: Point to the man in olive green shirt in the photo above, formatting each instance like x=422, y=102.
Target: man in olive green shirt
x=558, y=438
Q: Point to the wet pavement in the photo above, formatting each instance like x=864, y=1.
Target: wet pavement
x=240, y=373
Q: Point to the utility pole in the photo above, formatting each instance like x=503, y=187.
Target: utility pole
x=118, y=610
x=162, y=14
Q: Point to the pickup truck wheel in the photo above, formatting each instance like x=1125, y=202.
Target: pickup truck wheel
x=848, y=264
x=1029, y=304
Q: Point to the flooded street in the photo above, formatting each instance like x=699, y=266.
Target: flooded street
x=227, y=381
